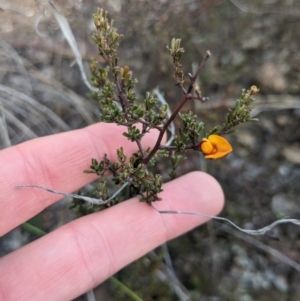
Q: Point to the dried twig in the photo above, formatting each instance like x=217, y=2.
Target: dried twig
x=77, y=196
x=258, y=232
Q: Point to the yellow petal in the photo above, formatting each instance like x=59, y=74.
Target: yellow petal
x=220, y=143
x=206, y=146
x=216, y=155
x=215, y=147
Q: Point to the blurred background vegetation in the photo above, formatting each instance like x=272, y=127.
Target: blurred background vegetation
x=251, y=42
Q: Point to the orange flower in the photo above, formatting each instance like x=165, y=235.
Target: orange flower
x=215, y=147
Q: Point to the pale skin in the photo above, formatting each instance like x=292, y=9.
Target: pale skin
x=83, y=253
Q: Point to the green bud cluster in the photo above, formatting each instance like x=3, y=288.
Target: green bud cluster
x=238, y=115
x=176, y=52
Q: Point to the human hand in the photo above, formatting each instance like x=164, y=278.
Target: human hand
x=83, y=253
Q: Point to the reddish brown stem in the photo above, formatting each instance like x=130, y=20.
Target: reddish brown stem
x=161, y=134
x=173, y=148
x=194, y=77
x=187, y=96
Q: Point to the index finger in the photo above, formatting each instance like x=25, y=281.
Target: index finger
x=56, y=162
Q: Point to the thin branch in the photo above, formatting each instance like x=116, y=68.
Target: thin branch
x=199, y=97
x=159, y=128
x=142, y=121
x=171, y=128
x=161, y=134
x=138, y=142
x=121, y=93
x=187, y=96
x=194, y=77
x=172, y=148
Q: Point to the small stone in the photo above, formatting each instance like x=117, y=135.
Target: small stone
x=283, y=120
x=282, y=205
x=292, y=153
x=246, y=138
x=281, y=284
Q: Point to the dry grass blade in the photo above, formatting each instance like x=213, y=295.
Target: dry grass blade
x=17, y=123
x=36, y=105
x=275, y=103
x=165, y=274
x=179, y=289
x=4, y=137
x=36, y=26
x=76, y=196
x=17, y=109
x=9, y=51
x=67, y=32
x=258, y=232
x=265, y=248
x=84, y=108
